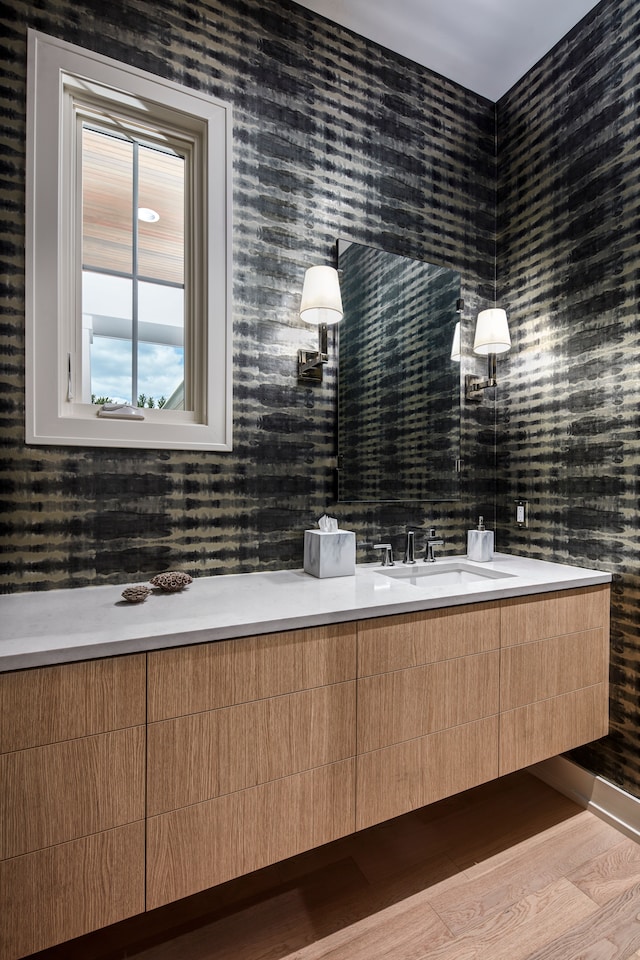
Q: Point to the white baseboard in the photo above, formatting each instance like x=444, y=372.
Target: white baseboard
x=607, y=801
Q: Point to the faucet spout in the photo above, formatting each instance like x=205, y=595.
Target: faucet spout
x=432, y=541
x=410, y=547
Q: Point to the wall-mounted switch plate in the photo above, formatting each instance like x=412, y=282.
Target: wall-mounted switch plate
x=522, y=513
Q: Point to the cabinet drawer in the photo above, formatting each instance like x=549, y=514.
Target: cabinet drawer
x=548, y=727
x=48, y=704
x=394, y=643
x=188, y=680
x=412, y=703
x=210, y=754
x=412, y=774
x=549, y=668
x=207, y=843
x=566, y=611
x=70, y=889
x=56, y=793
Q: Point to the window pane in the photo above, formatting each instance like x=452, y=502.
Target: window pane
x=161, y=343
x=107, y=201
x=110, y=370
x=107, y=336
x=161, y=375
x=161, y=190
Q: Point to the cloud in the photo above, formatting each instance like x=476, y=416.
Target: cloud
x=160, y=369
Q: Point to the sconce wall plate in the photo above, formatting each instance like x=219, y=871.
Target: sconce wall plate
x=473, y=386
x=310, y=362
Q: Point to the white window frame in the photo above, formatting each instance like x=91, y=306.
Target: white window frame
x=63, y=78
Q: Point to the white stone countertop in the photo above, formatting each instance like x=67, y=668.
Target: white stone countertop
x=60, y=626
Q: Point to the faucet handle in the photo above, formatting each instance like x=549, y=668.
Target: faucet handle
x=387, y=556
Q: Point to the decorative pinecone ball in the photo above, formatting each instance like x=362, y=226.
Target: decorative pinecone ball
x=171, y=582
x=137, y=593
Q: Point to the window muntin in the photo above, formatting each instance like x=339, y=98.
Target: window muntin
x=133, y=229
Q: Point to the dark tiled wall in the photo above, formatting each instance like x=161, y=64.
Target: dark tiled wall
x=568, y=270
x=333, y=136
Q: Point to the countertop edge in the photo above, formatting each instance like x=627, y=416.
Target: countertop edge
x=29, y=656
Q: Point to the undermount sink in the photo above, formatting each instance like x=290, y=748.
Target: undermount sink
x=443, y=574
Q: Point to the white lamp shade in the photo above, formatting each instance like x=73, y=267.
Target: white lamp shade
x=455, y=346
x=492, y=332
x=321, y=300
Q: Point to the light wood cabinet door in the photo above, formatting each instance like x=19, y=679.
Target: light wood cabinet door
x=209, y=754
x=412, y=774
x=394, y=643
x=66, y=790
x=525, y=619
x=549, y=668
x=545, y=728
x=67, y=890
x=72, y=800
x=412, y=703
x=189, y=680
x=50, y=704
x=553, y=674
x=207, y=843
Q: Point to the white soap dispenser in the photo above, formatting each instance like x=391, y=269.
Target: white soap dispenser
x=480, y=543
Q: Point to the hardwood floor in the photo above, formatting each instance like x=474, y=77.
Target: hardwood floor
x=511, y=870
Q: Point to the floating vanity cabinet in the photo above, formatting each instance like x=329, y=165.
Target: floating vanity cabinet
x=72, y=759
x=553, y=674
x=170, y=772
x=428, y=702
x=250, y=755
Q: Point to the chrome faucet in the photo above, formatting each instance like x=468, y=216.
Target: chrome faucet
x=410, y=547
x=387, y=556
x=432, y=541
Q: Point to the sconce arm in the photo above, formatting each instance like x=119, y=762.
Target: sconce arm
x=310, y=361
x=473, y=386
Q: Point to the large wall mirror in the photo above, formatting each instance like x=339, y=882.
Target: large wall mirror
x=398, y=388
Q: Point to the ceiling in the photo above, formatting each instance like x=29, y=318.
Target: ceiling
x=484, y=45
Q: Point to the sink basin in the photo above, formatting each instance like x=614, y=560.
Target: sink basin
x=443, y=574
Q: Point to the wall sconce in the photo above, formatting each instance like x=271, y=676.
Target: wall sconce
x=456, y=350
x=492, y=337
x=321, y=305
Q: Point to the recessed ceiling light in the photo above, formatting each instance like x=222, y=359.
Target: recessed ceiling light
x=148, y=215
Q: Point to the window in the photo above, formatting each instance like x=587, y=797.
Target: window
x=128, y=256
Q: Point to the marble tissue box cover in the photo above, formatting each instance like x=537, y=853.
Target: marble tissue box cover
x=330, y=553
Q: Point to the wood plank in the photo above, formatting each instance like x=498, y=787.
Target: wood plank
x=612, y=933
x=408, y=640
x=187, y=680
x=535, y=921
x=207, y=843
x=549, y=668
x=407, y=930
x=535, y=853
x=409, y=775
x=209, y=754
x=66, y=790
x=524, y=619
x=410, y=703
x=608, y=875
x=544, y=729
x=65, y=891
x=50, y=704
